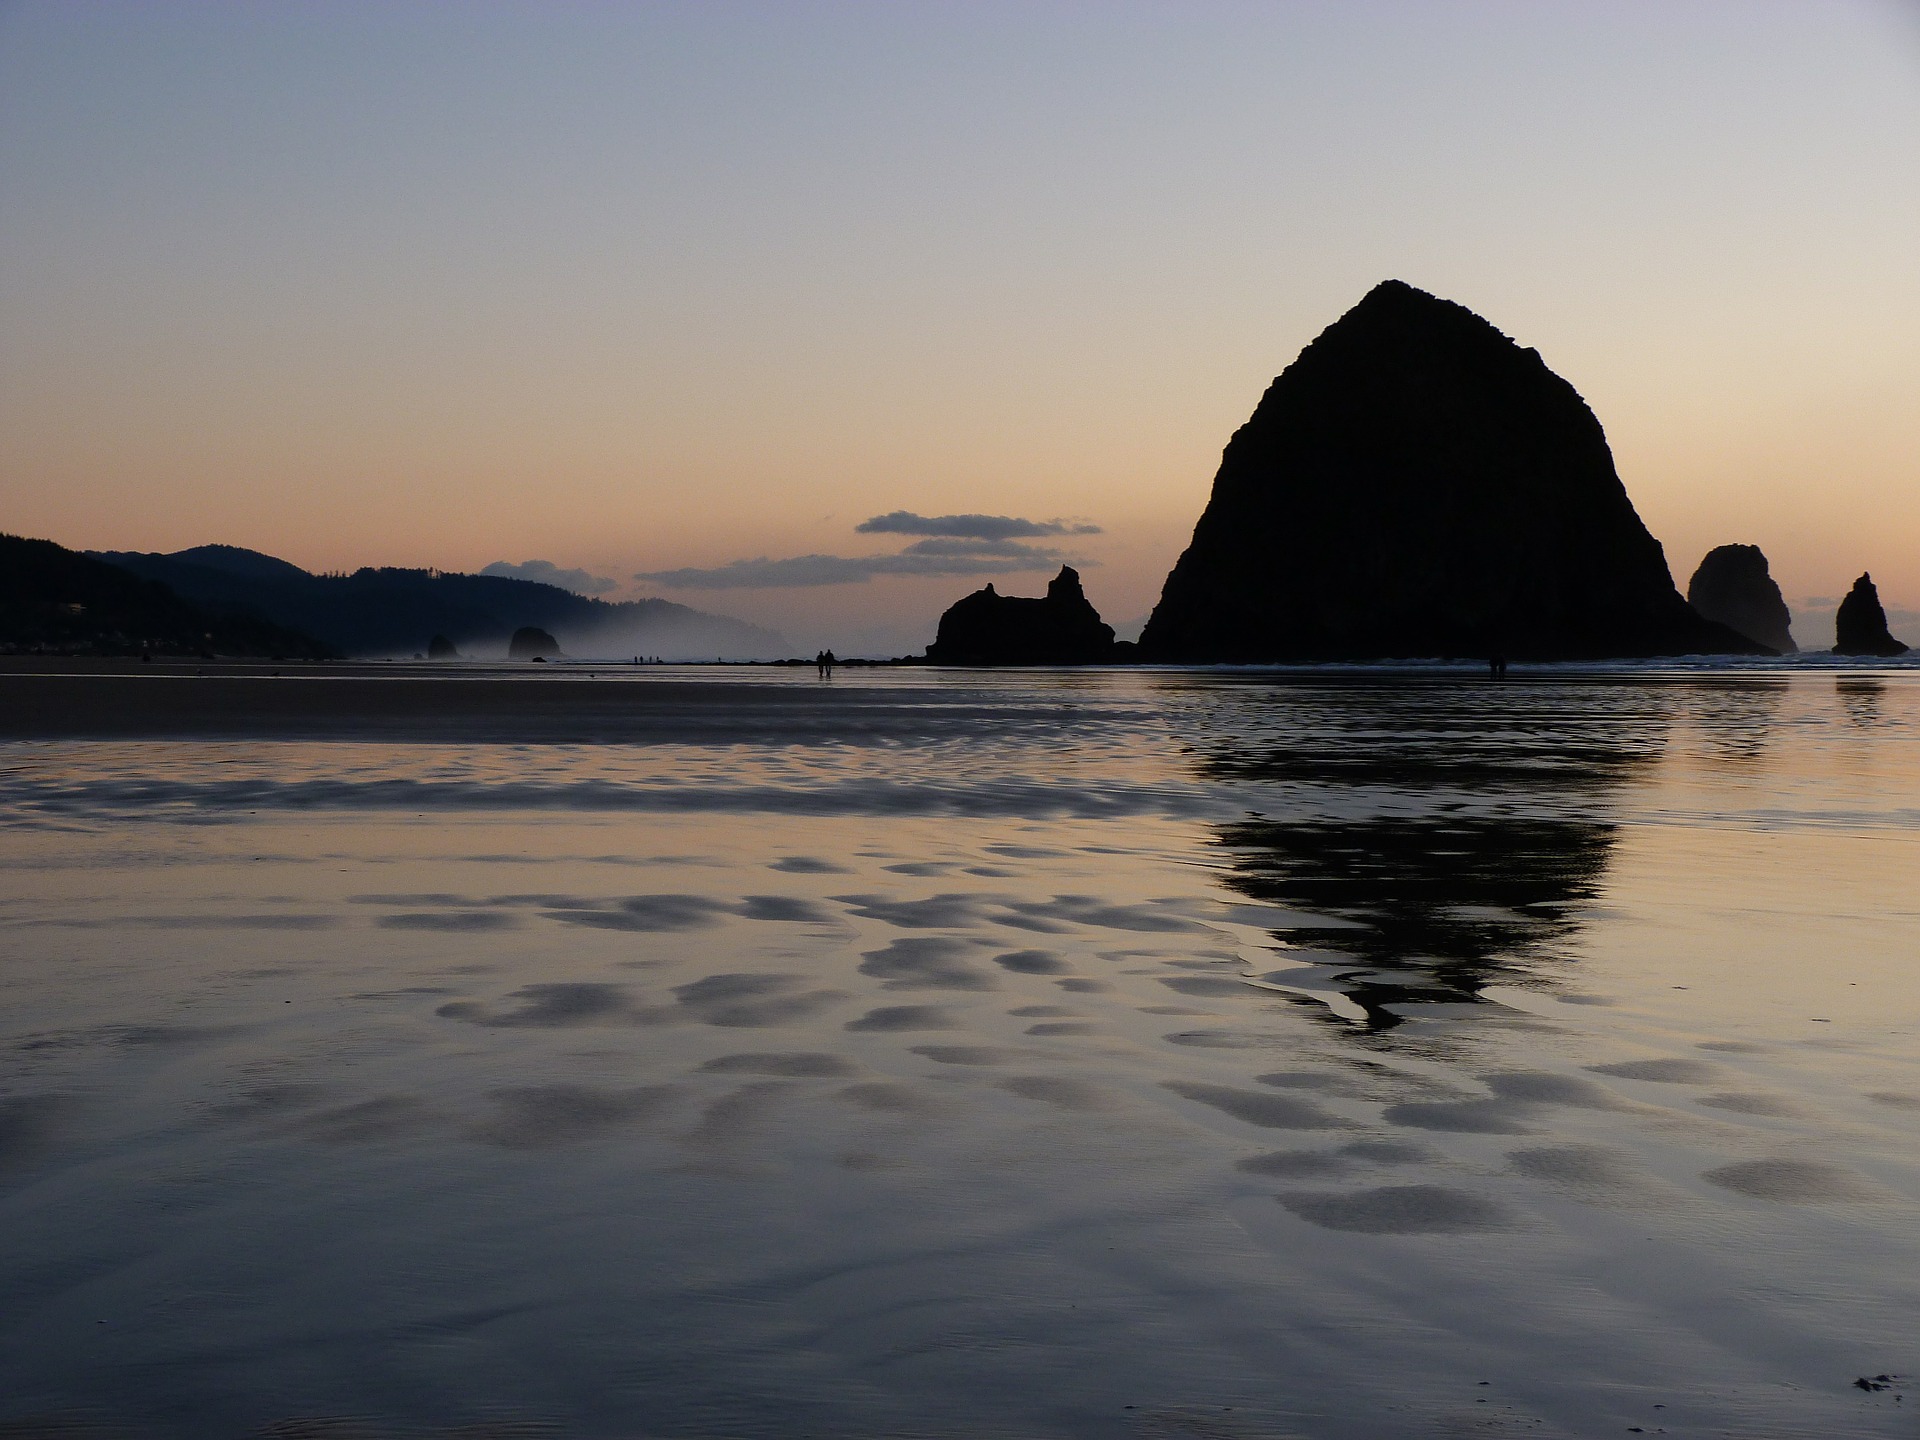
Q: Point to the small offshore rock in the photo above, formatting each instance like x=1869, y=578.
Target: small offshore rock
x=530, y=642
x=1860, y=627
x=1060, y=628
x=1734, y=587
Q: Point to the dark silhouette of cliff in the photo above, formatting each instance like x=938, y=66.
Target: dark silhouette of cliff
x=1061, y=628
x=395, y=611
x=57, y=600
x=1734, y=587
x=1417, y=485
x=441, y=648
x=1860, y=626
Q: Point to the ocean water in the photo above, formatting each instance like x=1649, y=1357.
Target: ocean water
x=1109, y=1054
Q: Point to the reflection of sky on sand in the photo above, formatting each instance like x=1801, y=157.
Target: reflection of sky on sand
x=1317, y=1051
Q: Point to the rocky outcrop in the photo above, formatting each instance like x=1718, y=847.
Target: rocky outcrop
x=530, y=642
x=1860, y=627
x=1417, y=485
x=987, y=628
x=441, y=648
x=1734, y=587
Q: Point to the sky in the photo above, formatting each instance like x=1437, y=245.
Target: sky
x=795, y=308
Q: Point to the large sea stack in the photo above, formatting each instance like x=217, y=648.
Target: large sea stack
x=1860, y=627
x=1417, y=485
x=987, y=628
x=1734, y=587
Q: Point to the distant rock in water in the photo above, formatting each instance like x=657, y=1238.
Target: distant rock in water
x=987, y=628
x=1860, y=627
x=441, y=648
x=1417, y=485
x=530, y=642
x=1734, y=587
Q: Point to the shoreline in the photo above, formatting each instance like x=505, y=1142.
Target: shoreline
x=705, y=704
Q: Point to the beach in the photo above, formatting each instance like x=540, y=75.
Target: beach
x=721, y=1051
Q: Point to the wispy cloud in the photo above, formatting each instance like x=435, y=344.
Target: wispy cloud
x=976, y=527
x=952, y=545
x=956, y=546
x=545, y=572
x=807, y=571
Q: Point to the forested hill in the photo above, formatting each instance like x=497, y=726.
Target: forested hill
x=397, y=611
x=55, y=600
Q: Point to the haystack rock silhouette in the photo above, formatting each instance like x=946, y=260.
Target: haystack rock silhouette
x=1860, y=626
x=1734, y=587
x=530, y=642
x=1062, y=628
x=1417, y=485
x=441, y=648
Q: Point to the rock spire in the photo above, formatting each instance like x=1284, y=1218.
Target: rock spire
x=1860, y=626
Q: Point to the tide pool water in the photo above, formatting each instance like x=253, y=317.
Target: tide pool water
x=1109, y=1054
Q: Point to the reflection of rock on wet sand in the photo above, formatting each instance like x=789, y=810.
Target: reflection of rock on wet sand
x=1733, y=717
x=1860, y=697
x=1484, y=827
x=856, y=1077
x=1456, y=900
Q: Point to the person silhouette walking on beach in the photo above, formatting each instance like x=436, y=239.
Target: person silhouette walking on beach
x=826, y=663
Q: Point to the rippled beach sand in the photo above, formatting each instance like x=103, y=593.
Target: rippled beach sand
x=727, y=1053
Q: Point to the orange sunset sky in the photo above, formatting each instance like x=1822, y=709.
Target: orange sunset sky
x=648, y=289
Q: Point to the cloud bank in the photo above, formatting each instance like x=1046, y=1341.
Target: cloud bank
x=975, y=527
x=1010, y=549
x=545, y=572
x=806, y=571
x=952, y=545
x=949, y=546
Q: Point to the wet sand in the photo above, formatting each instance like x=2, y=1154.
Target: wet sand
x=665, y=1052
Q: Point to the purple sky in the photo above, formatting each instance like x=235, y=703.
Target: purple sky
x=661, y=289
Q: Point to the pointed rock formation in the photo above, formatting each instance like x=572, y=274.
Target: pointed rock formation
x=1417, y=485
x=987, y=628
x=1860, y=627
x=1734, y=587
